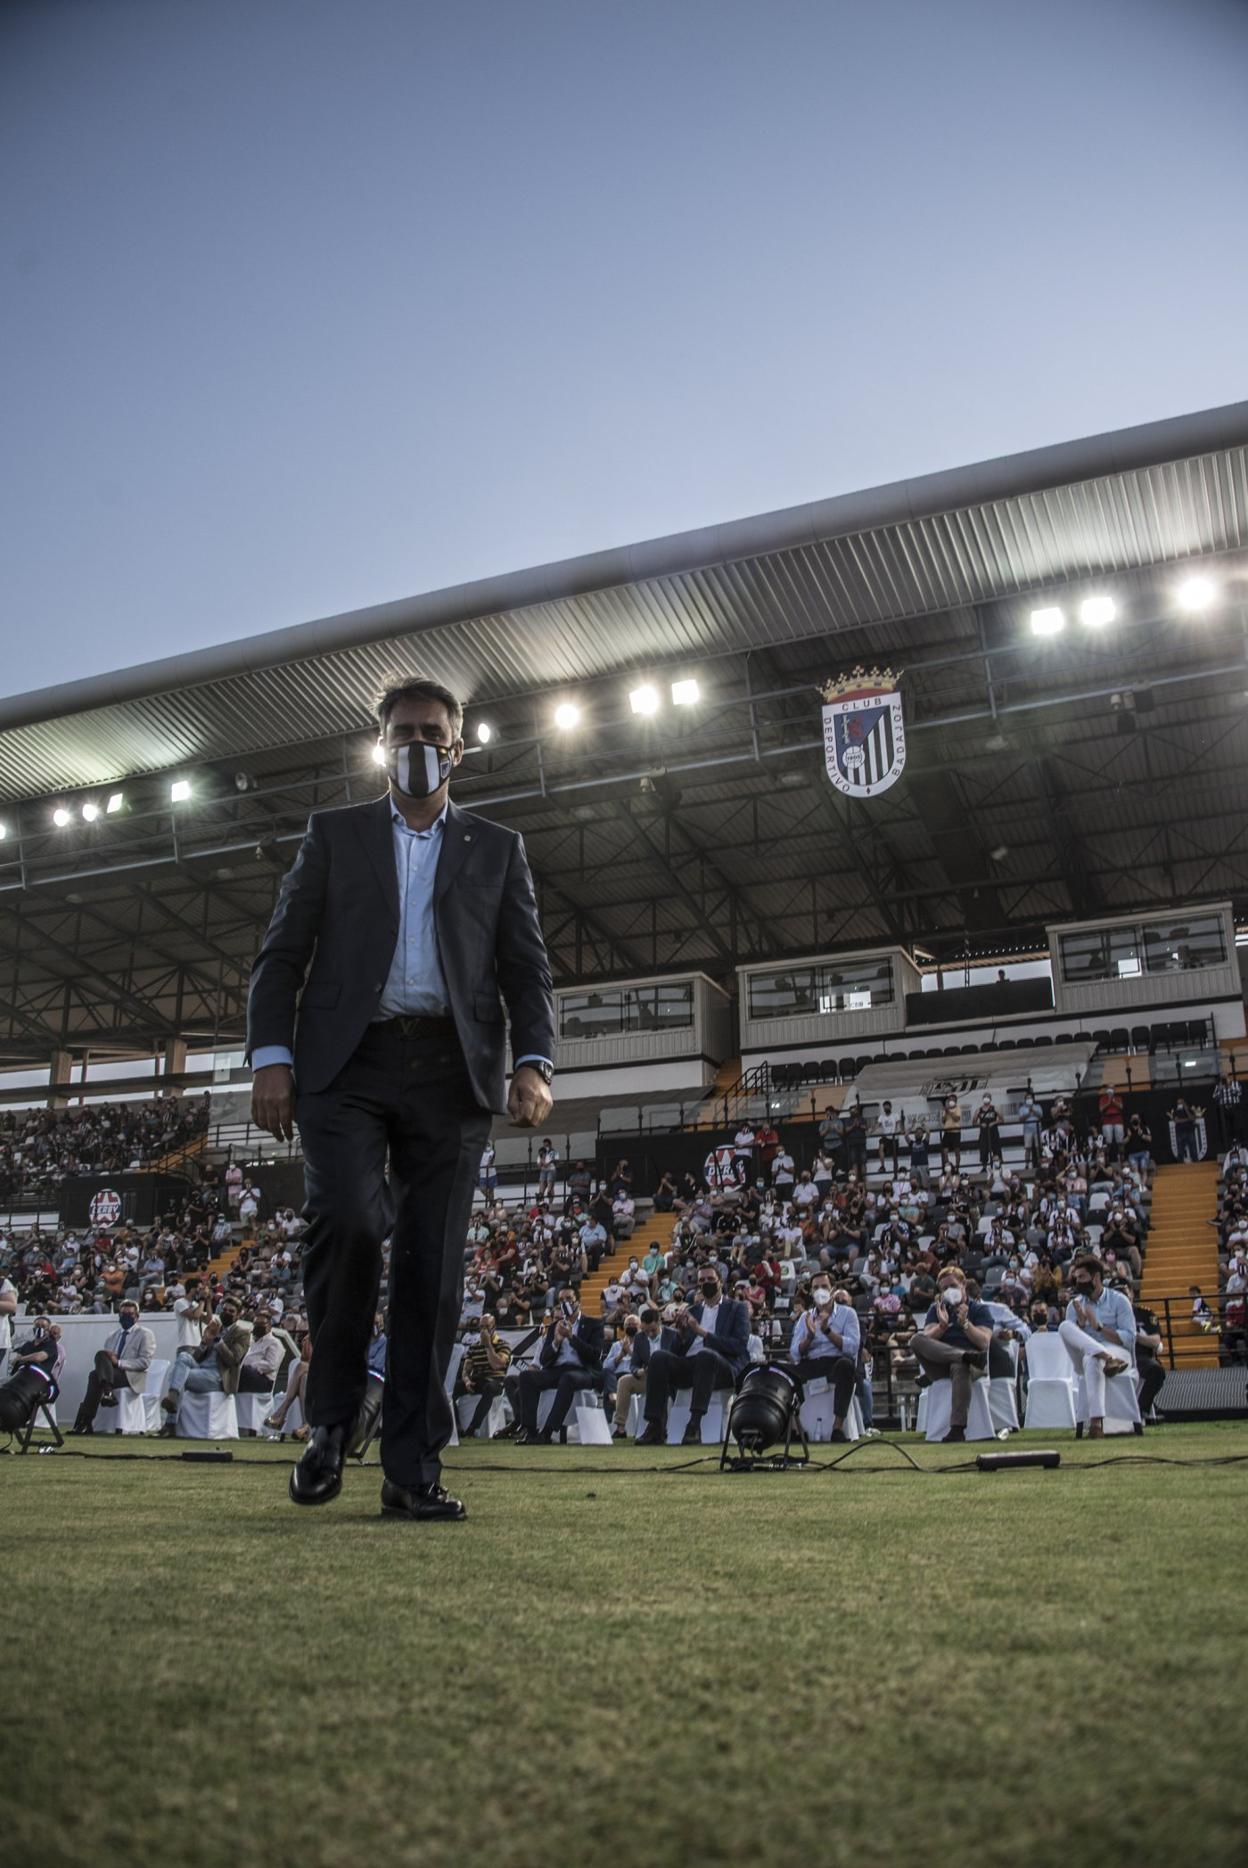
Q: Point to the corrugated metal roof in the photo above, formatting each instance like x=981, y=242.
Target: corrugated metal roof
x=283, y=689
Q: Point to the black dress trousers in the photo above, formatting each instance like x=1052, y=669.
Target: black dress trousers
x=409, y=1098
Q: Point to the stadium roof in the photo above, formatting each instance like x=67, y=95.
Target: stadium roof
x=1098, y=771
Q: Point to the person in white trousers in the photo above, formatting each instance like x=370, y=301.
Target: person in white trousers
x=1099, y=1334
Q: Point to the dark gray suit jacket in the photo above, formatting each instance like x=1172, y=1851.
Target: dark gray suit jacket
x=338, y=909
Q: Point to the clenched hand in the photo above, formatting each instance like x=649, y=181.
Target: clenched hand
x=529, y=1101
x=273, y=1100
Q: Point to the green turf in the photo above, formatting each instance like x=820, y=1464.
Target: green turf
x=868, y=1667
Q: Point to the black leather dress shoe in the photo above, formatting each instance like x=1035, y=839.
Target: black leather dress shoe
x=692, y=1436
x=318, y=1476
x=419, y=1502
x=652, y=1436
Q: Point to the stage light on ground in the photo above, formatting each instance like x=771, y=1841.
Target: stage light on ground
x=180, y=790
x=645, y=699
x=115, y=802
x=485, y=732
x=90, y=811
x=60, y=816
x=1097, y=610
x=567, y=715
x=378, y=754
x=1047, y=622
x=685, y=693
x=1197, y=593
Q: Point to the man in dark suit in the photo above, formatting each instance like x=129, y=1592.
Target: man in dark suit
x=570, y=1359
x=409, y=918
x=712, y=1349
x=652, y=1335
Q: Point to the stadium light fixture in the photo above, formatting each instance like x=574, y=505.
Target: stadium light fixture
x=485, y=732
x=567, y=715
x=4, y=830
x=90, y=811
x=115, y=802
x=61, y=816
x=1047, y=622
x=1197, y=593
x=378, y=753
x=180, y=790
x=686, y=693
x=645, y=699
x=1097, y=610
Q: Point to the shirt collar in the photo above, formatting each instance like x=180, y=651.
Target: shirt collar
x=396, y=817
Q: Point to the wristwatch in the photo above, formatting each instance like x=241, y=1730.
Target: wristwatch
x=544, y=1070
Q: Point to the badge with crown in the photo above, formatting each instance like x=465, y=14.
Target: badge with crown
x=864, y=731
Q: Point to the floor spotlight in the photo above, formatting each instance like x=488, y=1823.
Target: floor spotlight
x=764, y=1413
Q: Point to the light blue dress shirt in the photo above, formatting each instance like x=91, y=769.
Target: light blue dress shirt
x=415, y=983
x=1113, y=1313
x=843, y=1320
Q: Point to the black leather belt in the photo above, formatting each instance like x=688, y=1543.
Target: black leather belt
x=420, y=1025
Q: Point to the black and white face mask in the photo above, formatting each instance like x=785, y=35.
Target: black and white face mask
x=417, y=769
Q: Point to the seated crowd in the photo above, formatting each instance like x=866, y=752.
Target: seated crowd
x=41, y=1148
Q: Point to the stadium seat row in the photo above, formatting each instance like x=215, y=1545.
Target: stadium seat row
x=1172, y=1036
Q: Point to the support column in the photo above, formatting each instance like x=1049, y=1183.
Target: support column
x=60, y=1073
x=174, y=1054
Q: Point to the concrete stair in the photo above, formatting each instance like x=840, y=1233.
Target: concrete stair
x=655, y=1228
x=1183, y=1250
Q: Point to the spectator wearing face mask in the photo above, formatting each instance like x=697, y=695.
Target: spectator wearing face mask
x=953, y=1344
x=711, y=1350
x=122, y=1363
x=210, y=1368
x=825, y=1342
x=570, y=1359
x=951, y=1134
x=262, y=1358
x=1099, y=1333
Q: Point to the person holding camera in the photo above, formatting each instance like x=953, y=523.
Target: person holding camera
x=953, y=1344
x=711, y=1349
x=570, y=1359
x=482, y=1370
x=825, y=1342
x=122, y=1363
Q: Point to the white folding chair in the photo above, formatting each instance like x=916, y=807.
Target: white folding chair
x=1050, y=1382
x=712, y=1420
x=252, y=1410
x=936, y=1417
x=1122, y=1403
x=207, y=1417
x=293, y=1419
x=494, y=1422
x=818, y=1412
x=141, y=1413
x=1003, y=1395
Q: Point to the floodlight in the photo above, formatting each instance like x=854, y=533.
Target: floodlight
x=379, y=753
x=567, y=715
x=4, y=831
x=644, y=699
x=60, y=816
x=1196, y=594
x=1097, y=610
x=180, y=790
x=485, y=732
x=1048, y=622
x=90, y=811
x=685, y=693
x=115, y=802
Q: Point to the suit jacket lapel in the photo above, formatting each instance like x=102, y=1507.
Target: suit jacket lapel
x=456, y=843
x=379, y=846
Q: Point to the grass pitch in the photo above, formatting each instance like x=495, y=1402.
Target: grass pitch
x=612, y=1664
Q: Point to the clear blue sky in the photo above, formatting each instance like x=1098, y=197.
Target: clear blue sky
x=314, y=303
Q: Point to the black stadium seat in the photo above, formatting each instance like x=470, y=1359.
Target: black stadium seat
x=829, y=1070
x=1120, y=1039
x=989, y=1047
x=1025, y=1043
x=849, y=1069
x=1064, y=1037
x=915, y=1057
x=1141, y=1037
x=1198, y=1032
x=1101, y=1040
x=1006, y=1044
x=863, y=1063
x=1083, y=1037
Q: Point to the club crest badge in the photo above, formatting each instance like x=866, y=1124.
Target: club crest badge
x=864, y=732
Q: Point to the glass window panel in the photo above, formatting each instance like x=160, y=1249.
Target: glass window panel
x=825, y=990
x=1182, y=946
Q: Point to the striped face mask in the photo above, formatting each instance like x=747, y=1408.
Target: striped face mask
x=417, y=770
